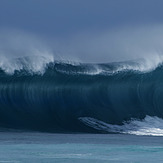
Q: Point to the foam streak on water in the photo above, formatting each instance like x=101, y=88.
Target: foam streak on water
x=148, y=126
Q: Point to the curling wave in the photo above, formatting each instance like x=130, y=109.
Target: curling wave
x=60, y=97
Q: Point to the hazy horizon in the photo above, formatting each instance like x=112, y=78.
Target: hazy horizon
x=84, y=31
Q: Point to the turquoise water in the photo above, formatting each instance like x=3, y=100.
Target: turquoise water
x=79, y=148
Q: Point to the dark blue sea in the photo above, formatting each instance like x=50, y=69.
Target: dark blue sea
x=35, y=147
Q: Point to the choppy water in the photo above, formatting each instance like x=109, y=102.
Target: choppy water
x=79, y=148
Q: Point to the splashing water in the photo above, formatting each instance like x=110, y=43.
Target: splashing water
x=148, y=126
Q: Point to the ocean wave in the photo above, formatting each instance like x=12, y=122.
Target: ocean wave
x=53, y=95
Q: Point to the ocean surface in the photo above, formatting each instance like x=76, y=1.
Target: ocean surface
x=35, y=147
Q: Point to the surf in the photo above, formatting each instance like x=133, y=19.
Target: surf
x=47, y=95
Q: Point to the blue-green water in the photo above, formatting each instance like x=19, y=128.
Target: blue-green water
x=79, y=148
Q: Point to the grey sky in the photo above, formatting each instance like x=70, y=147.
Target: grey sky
x=64, y=23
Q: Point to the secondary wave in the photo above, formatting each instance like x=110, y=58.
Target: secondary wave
x=55, y=95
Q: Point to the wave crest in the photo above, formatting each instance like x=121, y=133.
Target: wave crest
x=38, y=64
x=33, y=64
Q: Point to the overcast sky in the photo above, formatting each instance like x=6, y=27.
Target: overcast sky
x=88, y=30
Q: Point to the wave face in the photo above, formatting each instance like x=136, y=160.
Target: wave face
x=70, y=97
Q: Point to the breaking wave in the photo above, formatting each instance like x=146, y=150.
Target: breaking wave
x=40, y=93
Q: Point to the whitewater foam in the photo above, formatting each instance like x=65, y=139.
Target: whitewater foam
x=148, y=126
x=38, y=64
x=32, y=64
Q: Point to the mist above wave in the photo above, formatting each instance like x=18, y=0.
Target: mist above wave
x=20, y=50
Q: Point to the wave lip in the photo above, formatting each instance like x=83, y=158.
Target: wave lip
x=34, y=64
x=148, y=126
x=39, y=65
